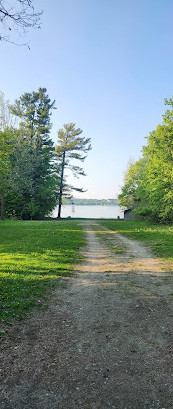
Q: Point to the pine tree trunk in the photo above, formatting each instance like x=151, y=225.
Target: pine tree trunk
x=2, y=207
x=61, y=186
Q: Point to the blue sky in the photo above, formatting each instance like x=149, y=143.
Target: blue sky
x=109, y=66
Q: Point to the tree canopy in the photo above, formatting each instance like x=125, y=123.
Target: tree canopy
x=32, y=178
x=33, y=175
x=28, y=178
x=148, y=184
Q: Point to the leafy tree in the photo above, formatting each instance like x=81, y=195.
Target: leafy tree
x=133, y=194
x=7, y=141
x=16, y=17
x=148, y=185
x=34, y=191
x=128, y=196
x=158, y=172
x=71, y=146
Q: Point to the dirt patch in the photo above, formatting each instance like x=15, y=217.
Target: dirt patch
x=106, y=340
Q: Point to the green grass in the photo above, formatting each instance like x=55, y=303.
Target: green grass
x=158, y=237
x=33, y=256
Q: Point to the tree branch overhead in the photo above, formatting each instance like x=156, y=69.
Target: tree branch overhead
x=16, y=17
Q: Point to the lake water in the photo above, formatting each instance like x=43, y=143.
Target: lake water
x=92, y=211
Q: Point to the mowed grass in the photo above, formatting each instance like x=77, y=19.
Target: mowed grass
x=158, y=237
x=33, y=256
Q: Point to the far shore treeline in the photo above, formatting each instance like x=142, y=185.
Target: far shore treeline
x=148, y=183
x=91, y=202
x=32, y=170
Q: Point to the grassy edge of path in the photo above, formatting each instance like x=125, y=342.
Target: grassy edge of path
x=158, y=237
x=33, y=256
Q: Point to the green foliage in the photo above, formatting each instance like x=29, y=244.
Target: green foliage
x=30, y=175
x=33, y=191
x=7, y=142
x=34, y=255
x=148, y=186
x=159, y=175
x=6, y=147
x=34, y=110
x=71, y=146
x=129, y=196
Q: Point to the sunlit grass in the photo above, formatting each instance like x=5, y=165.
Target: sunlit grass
x=157, y=236
x=33, y=256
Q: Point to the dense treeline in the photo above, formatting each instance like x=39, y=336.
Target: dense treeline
x=148, y=184
x=91, y=202
x=30, y=164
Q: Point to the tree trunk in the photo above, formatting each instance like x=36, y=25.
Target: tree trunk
x=61, y=186
x=2, y=207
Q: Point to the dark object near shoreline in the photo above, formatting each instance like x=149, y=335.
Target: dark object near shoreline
x=128, y=215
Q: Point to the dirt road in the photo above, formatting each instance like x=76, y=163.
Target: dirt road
x=106, y=340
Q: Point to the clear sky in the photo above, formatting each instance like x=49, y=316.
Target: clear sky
x=109, y=66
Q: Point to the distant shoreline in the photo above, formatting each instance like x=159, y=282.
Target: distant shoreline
x=90, y=202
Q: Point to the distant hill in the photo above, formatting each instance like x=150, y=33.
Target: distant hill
x=91, y=202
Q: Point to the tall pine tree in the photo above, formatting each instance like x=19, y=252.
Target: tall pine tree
x=35, y=182
x=71, y=146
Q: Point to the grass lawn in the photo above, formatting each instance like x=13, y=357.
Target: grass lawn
x=33, y=256
x=158, y=237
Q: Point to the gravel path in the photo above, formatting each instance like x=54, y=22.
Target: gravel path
x=106, y=340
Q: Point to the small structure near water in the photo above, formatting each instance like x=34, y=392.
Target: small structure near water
x=128, y=214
